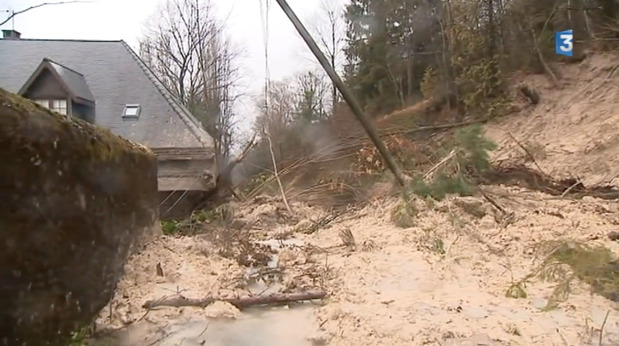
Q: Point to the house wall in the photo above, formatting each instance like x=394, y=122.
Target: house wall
x=182, y=168
x=182, y=186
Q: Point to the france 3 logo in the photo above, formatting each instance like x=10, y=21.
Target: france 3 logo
x=564, y=42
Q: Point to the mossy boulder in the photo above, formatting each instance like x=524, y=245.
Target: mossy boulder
x=75, y=200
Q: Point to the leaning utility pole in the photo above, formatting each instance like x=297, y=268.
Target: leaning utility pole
x=370, y=129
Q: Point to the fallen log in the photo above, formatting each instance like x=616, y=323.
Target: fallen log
x=522, y=176
x=240, y=303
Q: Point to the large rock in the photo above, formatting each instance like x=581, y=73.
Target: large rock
x=74, y=200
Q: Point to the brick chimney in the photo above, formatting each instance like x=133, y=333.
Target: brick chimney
x=11, y=34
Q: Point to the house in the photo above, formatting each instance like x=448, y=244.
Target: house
x=106, y=83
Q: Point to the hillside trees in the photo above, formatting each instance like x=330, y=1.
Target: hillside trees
x=459, y=50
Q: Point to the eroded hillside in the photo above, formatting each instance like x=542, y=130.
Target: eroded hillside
x=573, y=131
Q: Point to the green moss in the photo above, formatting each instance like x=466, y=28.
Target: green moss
x=22, y=105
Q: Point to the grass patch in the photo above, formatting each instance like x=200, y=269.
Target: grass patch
x=517, y=290
x=207, y=216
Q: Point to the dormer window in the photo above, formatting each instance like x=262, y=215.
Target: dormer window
x=131, y=111
x=60, y=89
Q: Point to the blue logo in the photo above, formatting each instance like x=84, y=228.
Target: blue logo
x=563, y=42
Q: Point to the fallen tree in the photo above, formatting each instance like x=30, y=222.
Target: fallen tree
x=240, y=303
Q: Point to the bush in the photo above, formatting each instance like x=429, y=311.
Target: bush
x=470, y=158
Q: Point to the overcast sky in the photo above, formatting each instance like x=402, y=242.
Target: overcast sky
x=124, y=19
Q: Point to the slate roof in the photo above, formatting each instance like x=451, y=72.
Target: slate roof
x=115, y=76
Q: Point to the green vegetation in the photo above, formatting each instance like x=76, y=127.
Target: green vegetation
x=462, y=48
x=470, y=158
x=199, y=221
x=78, y=338
x=170, y=227
x=567, y=261
x=441, y=186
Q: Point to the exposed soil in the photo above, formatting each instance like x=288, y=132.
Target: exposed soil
x=572, y=132
x=442, y=280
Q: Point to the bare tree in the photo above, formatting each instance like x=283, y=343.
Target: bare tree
x=312, y=90
x=186, y=47
x=281, y=113
x=329, y=30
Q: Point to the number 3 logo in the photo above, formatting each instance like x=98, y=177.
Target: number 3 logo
x=567, y=44
x=564, y=44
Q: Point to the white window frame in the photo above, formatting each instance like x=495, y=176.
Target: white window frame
x=55, y=105
x=131, y=111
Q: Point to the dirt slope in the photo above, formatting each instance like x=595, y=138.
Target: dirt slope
x=405, y=292
x=573, y=131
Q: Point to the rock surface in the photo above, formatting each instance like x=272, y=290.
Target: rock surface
x=74, y=201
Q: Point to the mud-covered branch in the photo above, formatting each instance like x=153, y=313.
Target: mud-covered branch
x=241, y=303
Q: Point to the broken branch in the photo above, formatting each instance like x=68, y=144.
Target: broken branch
x=529, y=155
x=275, y=172
x=546, y=67
x=240, y=303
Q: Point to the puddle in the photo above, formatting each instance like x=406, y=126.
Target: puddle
x=255, y=327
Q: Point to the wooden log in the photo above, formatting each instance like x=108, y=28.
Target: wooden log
x=240, y=303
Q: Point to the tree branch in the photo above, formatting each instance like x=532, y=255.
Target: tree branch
x=37, y=6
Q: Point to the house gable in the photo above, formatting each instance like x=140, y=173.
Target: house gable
x=61, y=89
x=43, y=85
